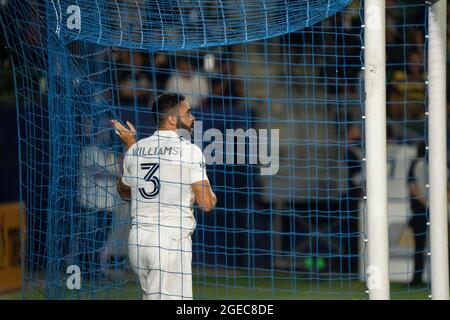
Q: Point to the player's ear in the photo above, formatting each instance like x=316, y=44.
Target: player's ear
x=172, y=119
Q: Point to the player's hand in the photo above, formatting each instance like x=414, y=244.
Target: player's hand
x=127, y=135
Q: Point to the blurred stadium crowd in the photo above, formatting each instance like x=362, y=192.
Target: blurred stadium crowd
x=213, y=84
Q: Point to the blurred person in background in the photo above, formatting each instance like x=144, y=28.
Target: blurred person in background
x=353, y=196
x=417, y=181
x=193, y=85
x=410, y=85
x=97, y=194
x=134, y=80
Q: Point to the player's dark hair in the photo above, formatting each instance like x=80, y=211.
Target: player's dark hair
x=164, y=104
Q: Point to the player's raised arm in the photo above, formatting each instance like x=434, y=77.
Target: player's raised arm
x=204, y=195
x=128, y=137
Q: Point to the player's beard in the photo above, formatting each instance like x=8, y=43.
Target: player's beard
x=181, y=125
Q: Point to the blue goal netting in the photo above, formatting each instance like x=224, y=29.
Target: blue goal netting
x=290, y=227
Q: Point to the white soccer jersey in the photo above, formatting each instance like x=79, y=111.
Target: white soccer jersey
x=160, y=170
x=97, y=183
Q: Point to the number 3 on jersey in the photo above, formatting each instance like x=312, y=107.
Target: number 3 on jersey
x=149, y=177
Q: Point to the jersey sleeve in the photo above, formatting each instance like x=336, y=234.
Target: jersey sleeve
x=126, y=176
x=197, y=170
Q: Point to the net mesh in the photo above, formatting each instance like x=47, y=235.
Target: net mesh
x=293, y=66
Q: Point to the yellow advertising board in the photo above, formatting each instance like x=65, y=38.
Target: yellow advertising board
x=10, y=246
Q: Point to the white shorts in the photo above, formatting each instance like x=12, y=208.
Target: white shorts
x=162, y=263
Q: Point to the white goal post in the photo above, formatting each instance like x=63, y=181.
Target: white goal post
x=437, y=42
x=377, y=270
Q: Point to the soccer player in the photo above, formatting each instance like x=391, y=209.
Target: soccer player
x=164, y=175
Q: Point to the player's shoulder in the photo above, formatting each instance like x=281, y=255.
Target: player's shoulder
x=189, y=146
x=190, y=150
x=145, y=140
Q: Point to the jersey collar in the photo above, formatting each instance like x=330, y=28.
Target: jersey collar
x=166, y=134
